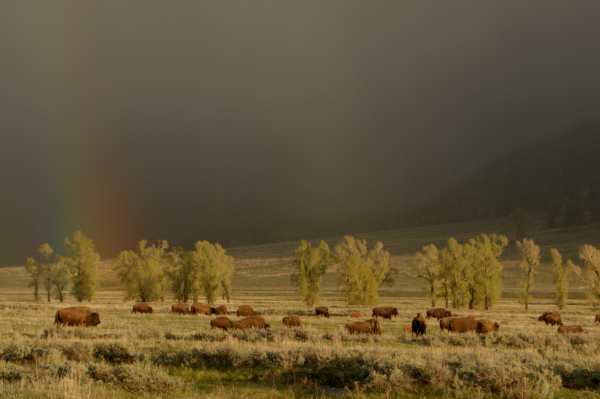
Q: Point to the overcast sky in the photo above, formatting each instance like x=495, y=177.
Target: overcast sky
x=144, y=120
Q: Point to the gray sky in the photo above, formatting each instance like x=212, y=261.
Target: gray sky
x=145, y=120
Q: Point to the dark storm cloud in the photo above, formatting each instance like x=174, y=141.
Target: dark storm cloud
x=172, y=120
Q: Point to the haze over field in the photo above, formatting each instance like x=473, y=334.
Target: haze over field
x=188, y=121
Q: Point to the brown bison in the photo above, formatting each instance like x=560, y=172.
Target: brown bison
x=322, y=310
x=142, y=308
x=419, y=325
x=221, y=322
x=221, y=310
x=597, y=319
x=201, y=308
x=504, y=322
x=463, y=324
x=245, y=311
x=387, y=312
x=76, y=316
x=291, y=321
x=250, y=322
x=445, y=323
x=180, y=308
x=485, y=326
x=407, y=329
x=364, y=327
x=355, y=315
x=552, y=318
x=438, y=313
x=570, y=329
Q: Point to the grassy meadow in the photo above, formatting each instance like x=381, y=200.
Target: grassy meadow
x=176, y=356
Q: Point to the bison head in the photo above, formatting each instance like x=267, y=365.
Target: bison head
x=149, y=309
x=92, y=320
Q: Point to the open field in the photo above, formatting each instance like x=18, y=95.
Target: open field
x=171, y=356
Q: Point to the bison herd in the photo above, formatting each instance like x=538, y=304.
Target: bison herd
x=82, y=316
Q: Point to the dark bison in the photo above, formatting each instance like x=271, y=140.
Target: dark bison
x=201, y=308
x=180, y=308
x=570, y=329
x=246, y=311
x=221, y=322
x=485, y=326
x=463, y=324
x=221, y=310
x=250, y=322
x=322, y=310
x=355, y=315
x=291, y=321
x=419, y=325
x=76, y=316
x=142, y=308
x=364, y=327
x=445, y=323
x=552, y=318
x=597, y=319
x=438, y=313
x=387, y=312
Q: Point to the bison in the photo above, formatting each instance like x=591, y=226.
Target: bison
x=445, y=323
x=407, y=329
x=142, y=308
x=438, y=313
x=245, y=311
x=355, y=315
x=76, y=316
x=570, y=329
x=250, y=322
x=180, y=308
x=364, y=327
x=419, y=325
x=291, y=321
x=462, y=324
x=504, y=322
x=322, y=310
x=221, y=322
x=221, y=310
x=201, y=308
x=597, y=319
x=551, y=318
x=387, y=312
x=485, y=326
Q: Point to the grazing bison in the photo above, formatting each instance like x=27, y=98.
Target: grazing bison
x=597, y=318
x=485, y=326
x=201, y=308
x=142, y=308
x=246, y=311
x=419, y=325
x=250, y=322
x=355, y=315
x=180, y=308
x=552, y=318
x=407, y=329
x=76, y=316
x=504, y=322
x=322, y=310
x=364, y=327
x=438, y=313
x=570, y=329
x=291, y=321
x=463, y=324
x=221, y=322
x=387, y=312
x=445, y=323
x=221, y=310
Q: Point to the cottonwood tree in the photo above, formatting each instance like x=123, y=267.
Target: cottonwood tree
x=53, y=273
x=427, y=265
x=82, y=264
x=590, y=274
x=36, y=271
x=487, y=267
x=362, y=272
x=530, y=260
x=142, y=272
x=561, y=273
x=183, y=274
x=311, y=263
x=458, y=273
x=215, y=269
